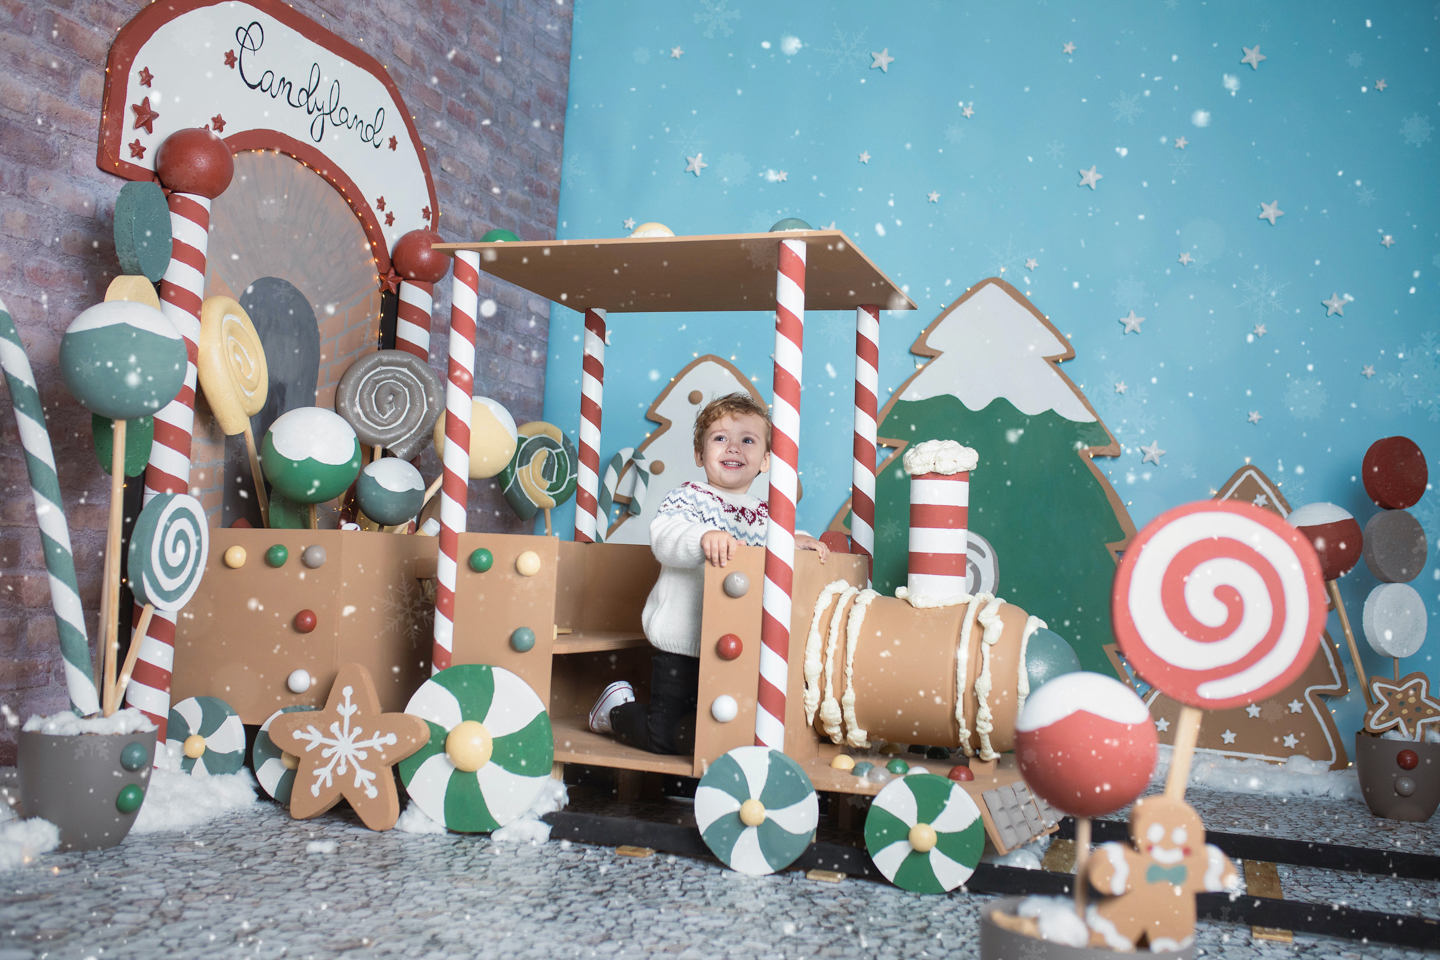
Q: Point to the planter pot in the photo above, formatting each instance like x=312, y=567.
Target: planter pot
x=90, y=786
x=997, y=943
x=1392, y=791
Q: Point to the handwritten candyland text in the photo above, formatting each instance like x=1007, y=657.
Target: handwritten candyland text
x=323, y=110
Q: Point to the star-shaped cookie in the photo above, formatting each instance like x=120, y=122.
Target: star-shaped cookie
x=346, y=749
x=1403, y=705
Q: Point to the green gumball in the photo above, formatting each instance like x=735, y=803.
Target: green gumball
x=1047, y=656
x=310, y=455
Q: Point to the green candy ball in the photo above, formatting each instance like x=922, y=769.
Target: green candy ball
x=481, y=560
x=499, y=236
x=523, y=640
x=310, y=455
x=790, y=223
x=123, y=360
x=898, y=767
x=130, y=798
x=134, y=756
x=1047, y=656
x=390, y=491
x=277, y=555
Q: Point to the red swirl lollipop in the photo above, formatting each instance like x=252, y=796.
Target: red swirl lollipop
x=1219, y=604
x=1334, y=534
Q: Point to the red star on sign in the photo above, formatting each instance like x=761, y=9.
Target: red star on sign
x=391, y=281
x=394, y=143
x=230, y=59
x=389, y=219
x=144, y=116
x=137, y=152
x=380, y=204
x=146, y=76
x=218, y=122
x=425, y=214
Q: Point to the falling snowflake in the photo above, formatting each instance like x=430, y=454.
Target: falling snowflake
x=1056, y=149
x=1419, y=377
x=1417, y=129
x=1366, y=196
x=344, y=750
x=1007, y=259
x=1261, y=295
x=954, y=133
x=1129, y=294
x=732, y=167
x=1354, y=59
x=845, y=52
x=1127, y=108
x=1179, y=166
x=1305, y=398
x=715, y=15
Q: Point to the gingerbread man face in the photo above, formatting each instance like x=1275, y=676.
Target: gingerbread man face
x=1169, y=835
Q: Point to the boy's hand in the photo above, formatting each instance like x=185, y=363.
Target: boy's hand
x=718, y=547
x=806, y=542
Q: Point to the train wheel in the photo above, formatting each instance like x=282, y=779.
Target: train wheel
x=207, y=735
x=756, y=810
x=924, y=833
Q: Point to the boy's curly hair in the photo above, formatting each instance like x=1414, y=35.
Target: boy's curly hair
x=734, y=405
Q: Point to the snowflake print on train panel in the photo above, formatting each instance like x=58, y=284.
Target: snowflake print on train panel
x=346, y=750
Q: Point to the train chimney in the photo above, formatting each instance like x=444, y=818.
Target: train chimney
x=939, y=515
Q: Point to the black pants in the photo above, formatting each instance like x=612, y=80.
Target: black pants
x=667, y=723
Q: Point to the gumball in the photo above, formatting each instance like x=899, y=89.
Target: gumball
x=1407, y=759
x=390, y=491
x=728, y=647
x=493, y=438
x=961, y=774
x=1394, y=620
x=1085, y=744
x=1395, y=473
x=122, y=359
x=305, y=621
x=1047, y=656
x=196, y=161
x=415, y=257
x=1334, y=534
x=310, y=455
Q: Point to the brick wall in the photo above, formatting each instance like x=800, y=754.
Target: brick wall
x=458, y=63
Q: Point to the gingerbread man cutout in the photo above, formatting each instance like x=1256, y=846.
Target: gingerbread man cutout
x=1151, y=885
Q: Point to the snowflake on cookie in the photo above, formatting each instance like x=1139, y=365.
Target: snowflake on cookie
x=1150, y=884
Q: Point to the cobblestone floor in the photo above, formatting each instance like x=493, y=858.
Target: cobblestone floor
x=245, y=886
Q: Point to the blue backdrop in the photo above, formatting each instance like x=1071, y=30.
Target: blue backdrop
x=789, y=109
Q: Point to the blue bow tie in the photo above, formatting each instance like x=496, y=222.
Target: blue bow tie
x=1159, y=874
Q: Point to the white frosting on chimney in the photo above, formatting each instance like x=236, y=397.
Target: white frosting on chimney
x=945, y=457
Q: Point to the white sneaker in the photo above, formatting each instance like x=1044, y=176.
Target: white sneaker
x=617, y=693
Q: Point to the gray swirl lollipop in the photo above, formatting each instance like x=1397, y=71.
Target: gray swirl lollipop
x=392, y=399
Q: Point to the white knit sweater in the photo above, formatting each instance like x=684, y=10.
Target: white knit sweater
x=672, y=613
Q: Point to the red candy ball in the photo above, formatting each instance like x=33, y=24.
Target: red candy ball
x=196, y=161
x=728, y=647
x=1334, y=534
x=305, y=621
x=414, y=258
x=1407, y=759
x=1395, y=473
x=836, y=541
x=1085, y=743
x=961, y=774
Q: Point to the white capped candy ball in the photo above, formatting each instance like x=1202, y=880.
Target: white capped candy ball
x=652, y=230
x=1394, y=620
x=1086, y=744
x=390, y=491
x=493, y=438
x=310, y=454
x=1333, y=532
x=122, y=359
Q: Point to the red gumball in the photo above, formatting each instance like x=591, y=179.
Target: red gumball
x=961, y=774
x=1334, y=534
x=195, y=161
x=1407, y=759
x=1395, y=473
x=1085, y=744
x=305, y=621
x=728, y=647
x=415, y=258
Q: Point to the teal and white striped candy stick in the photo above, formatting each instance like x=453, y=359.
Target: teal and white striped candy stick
x=54, y=534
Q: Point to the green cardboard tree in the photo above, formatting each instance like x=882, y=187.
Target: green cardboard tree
x=993, y=383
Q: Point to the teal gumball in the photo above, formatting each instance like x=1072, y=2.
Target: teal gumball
x=1048, y=655
x=310, y=455
x=123, y=360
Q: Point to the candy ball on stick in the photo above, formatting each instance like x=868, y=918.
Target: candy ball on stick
x=1047, y=656
x=1395, y=473
x=1334, y=534
x=195, y=160
x=390, y=491
x=415, y=257
x=310, y=455
x=1394, y=620
x=392, y=398
x=493, y=438
x=122, y=359
x=1086, y=744
x=652, y=230
x=499, y=235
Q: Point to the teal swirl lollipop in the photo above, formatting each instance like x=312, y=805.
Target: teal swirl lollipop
x=167, y=551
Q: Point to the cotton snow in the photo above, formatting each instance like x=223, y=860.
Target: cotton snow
x=415, y=820
x=529, y=828
x=1296, y=777
x=1031, y=856
x=178, y=801
x=1057, y=920
x=67, y=724
x=321, y=846
x=22, y=841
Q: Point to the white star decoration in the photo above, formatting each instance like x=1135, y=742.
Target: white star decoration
x=695, y=164
x=1269, y=211
x=1068, y=48
x=1367, y=371
x=1388, y=242
x=883, y=60
x=864, y=156
x=1255, y=416
x=782, y=177
x=969, y=110
x=1381, y=85
x=1291, y=741
x=1031, y=263
x=1120, y=387
x=1295, y=706
x=1181, y=143
x=629, y=223
x=1334, y=305
x=1228, y=736
x=1253, y=710
x=1153, y=453
x=1088, y=178
x=1185, y=259
x=1252, y=57
x=1162, y=724
x=1259, y=330
x=675, y=53
x=933, y=196
x=1260, y=500
x=1132, y=323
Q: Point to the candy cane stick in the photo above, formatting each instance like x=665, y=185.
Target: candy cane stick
x=455, y=481
x=784, y=464
x=50, y=515
x=867, y=380
x=412, y=324
x=592, y=394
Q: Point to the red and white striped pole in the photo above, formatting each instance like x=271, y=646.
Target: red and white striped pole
x=867, y=386
x=784, y=467
x=196, y=166
x=939, y=516
x=592, y=395
x=420, y=266
x=455, y=483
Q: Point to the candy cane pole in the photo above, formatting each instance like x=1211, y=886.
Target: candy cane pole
x=939, y=515
x=197, y=167
x=50, y=515
x=867, y=385
x=592, y=393
x=421, y=267
x=455, y=481
x=784, y=464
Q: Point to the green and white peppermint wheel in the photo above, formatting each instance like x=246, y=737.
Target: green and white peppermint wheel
x=756, y=810
x=310, y=454
x=276, y=775
x=167, y=551
x=543, y=472
x=207, y=735
x=490, y=748
x=122, y=359
x=925, y=833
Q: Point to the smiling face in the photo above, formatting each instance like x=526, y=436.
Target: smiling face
x=734, y=452
x=1167, y=831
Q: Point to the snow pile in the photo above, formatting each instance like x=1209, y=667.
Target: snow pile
x=529, y=828
x=1027, y=857
x=178, y=801
x=67, y=724
x=22, y=841
x=414, y=820
x=1296, y=777
x=321, y=846
x=1056, y=919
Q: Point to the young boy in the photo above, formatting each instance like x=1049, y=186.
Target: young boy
x=697, y=523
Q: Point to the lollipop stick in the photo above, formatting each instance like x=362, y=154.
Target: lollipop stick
x=431, y=490
x=1186, y=733
x=1397, y=669
x=547, y=521
x=257, y=476
x=1082, y=857
x=110, y=623
x=118, y=692
x=314, y=517
x=1350, y=639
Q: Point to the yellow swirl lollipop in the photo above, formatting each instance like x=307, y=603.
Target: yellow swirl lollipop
x=234, y=376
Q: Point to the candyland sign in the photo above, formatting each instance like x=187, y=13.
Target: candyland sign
x=264, y=77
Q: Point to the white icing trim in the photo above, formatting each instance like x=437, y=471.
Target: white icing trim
x=1170, y=945
x=854, y=735
x=812, y=648
x=1215, y=865
x=984, y=716
x=962, y=669
x=1119, y=867
x=830, y=707
x=1113, y=938
x=944, y=457
x=922, y=601
x=1022, y=683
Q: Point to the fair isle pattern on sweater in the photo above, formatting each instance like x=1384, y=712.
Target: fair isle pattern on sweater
x=699, y=505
